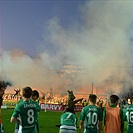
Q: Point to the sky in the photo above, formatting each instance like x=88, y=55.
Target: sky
x=38, y=37
x=23, y=22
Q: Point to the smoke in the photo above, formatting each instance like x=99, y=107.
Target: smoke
x=100, y=42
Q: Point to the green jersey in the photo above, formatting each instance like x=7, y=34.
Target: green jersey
x=68, y=122
x=129, y=118
x=91, y=114
x=69, y=119
x=27, y=111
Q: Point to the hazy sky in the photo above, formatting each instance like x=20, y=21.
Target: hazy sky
x=38, y=36
x=23, y=22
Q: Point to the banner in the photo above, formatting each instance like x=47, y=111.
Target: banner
x=9, y=104
x=58, y=107
x=55, y=107
x=78, y=108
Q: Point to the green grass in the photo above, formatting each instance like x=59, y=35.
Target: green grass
x=47, y=121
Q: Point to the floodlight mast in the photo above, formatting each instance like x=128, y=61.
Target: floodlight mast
x=92, y=87
x=1, y=51
x=0, y=54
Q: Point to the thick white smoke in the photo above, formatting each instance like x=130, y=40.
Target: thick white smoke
x=101, y=43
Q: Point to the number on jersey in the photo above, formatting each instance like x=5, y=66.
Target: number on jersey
x=30, y=114
x=92, y=118
x=130, y=117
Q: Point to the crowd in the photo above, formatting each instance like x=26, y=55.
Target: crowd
x=93, y=118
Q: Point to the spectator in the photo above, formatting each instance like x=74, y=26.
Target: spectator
x=85, y=103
